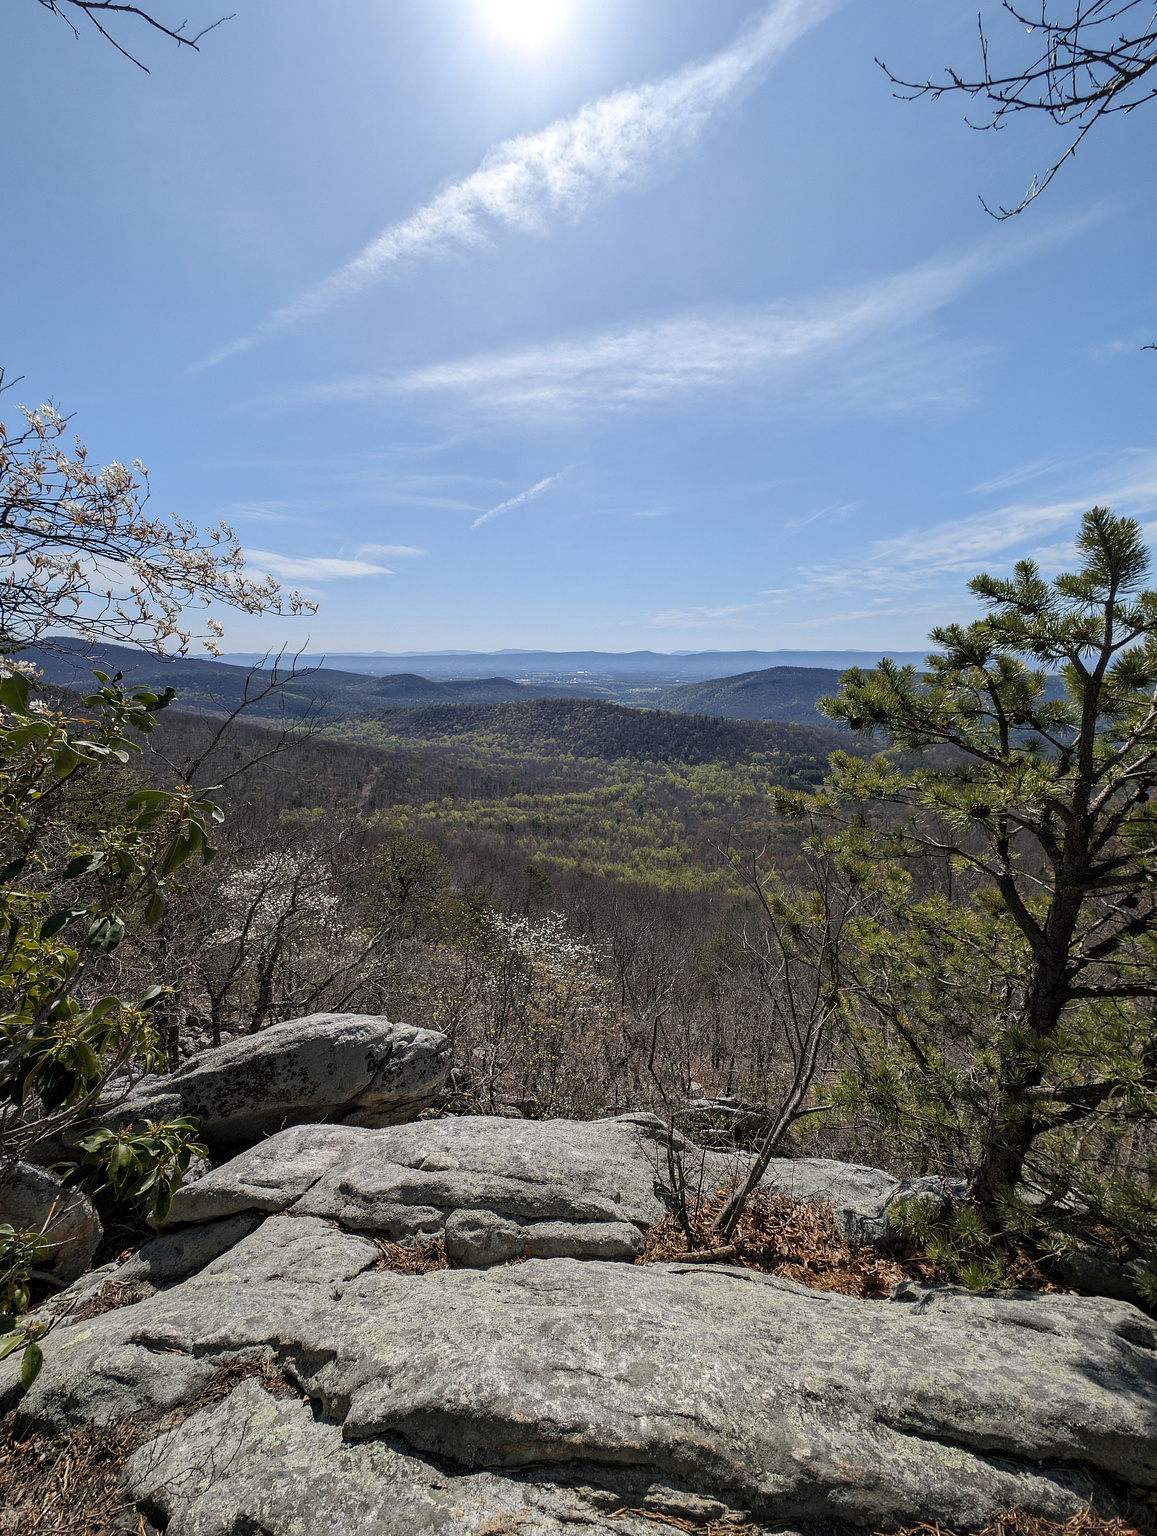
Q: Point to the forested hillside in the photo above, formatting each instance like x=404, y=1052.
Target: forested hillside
x=775, y=693
x=578, y=728
x=571, y=787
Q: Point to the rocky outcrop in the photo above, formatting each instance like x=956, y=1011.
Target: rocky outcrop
x=34, y=1200
x=357, y=1069
x=550, y=1391
x=1102, y=1276
x=494, y=1189
x=407, y=1181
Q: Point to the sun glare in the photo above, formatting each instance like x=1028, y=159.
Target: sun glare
x=525, y=23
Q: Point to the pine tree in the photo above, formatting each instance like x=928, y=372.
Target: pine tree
x=1005, y=1021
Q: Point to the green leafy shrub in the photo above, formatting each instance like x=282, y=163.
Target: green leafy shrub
x=65, y=907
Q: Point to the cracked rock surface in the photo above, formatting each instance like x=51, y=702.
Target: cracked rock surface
x=494, y=1189
x=533, y=1391
x=256, y=1463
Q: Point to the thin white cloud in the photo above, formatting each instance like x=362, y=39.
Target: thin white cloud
x=919, y=558
x=263, y=511
x=837, y=509
x=517, y=501
x=647, y=365
x=703, y=618
x=532, y=182
x=390, y=551
x=312, y=567
x=963, y=546
x=1021, y=474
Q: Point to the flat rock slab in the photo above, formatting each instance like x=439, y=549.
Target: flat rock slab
x=513, y=1182
x=772, y=1399
x=358, y=1069
x=256, y=1463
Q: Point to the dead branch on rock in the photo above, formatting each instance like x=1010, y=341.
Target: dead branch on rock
x=793, y=1239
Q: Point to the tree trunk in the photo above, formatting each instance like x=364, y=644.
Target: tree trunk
x=1016, y=1120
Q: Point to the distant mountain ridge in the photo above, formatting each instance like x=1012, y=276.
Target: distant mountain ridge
x=674, y=667
x=407, y=688
x=217, y=687
x=781, y=694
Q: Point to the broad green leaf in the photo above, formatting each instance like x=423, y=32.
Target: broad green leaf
x=10, y=1343
x=58, y=920
x=64, y=759
x=14, y=691
x=150, y=798
x=82, y=864
x=175, y=854
x=30, y=1365
x=102, y=1008
x=105, y=934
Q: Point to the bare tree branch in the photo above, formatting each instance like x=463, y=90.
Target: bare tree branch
x=91, y=8
x=1083, y=69
x=253, y=692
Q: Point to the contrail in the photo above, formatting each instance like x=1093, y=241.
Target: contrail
x=531, y=182
x=517, y=501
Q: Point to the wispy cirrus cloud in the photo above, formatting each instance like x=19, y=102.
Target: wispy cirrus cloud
x=312, y=567
x=1021, y=530
x=640, y=366
x=524, y=496
x=390, y=552
x=922, y=558
x=704, y=618
x=264, y=511
x=535, y=181
x=837, y=510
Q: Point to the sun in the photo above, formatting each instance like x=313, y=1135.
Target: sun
x=525, y=23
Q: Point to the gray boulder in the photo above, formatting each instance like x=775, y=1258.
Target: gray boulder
x=727, y=1389
x=160, y=1262
x=1102, y=1277
x=357, y=1069
x=861, y=1198
x=177, y=1254
x=34, y=1200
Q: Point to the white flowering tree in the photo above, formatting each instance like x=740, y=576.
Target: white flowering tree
x=82, y=554
x=533, y=1017
x=285, y=937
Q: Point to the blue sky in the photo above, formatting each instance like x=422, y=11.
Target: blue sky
x=604, y=324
